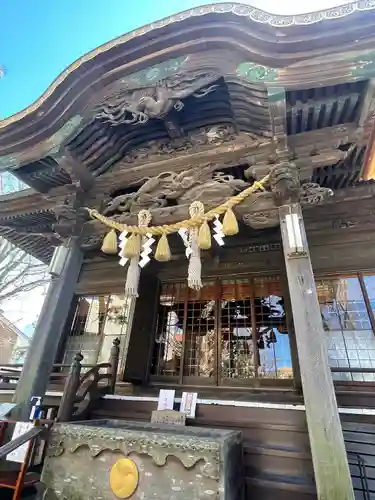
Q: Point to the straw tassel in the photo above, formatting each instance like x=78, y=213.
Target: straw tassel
x=163, y=252
x=132, y=246
x=109, y=245
x=230, y=224
x=204, y=236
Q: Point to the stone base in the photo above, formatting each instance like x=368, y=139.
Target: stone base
x=171, y=462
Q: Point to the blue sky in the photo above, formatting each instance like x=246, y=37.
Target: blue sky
x=40, y=38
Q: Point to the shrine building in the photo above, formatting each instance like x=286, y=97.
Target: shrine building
x=202, y=190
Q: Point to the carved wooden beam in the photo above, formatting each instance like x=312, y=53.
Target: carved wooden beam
x=305, y=164
x=242, y=150
x=258, y=211
x=77, y=171
x=259, y=202
x=222, y=156
x=322, y=139
x=227, y=154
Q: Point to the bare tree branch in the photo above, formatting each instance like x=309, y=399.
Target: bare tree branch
x=22, y=289
x=19, y=271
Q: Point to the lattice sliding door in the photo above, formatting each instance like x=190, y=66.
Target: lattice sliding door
x=231, y=332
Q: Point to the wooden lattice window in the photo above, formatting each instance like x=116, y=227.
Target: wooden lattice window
x=231, y=331
x=347, y=312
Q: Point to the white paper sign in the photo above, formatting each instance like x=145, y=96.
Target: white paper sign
x=189, y=403
x=19, y=454
x=166, y=399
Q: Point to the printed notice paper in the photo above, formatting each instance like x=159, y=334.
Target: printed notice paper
x=189, y=403
x=19, y=454
x=166, y=399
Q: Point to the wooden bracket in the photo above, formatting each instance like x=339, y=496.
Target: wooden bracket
x=277, y=109
x=77, y=171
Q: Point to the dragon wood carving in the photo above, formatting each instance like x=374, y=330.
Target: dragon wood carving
x=138, y=105
x=171, y=188
x=285, y=189
x=205, y=136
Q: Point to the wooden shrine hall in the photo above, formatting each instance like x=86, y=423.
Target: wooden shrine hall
x=226, y=157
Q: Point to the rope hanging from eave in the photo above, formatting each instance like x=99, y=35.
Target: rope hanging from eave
x=185, y=224
x=136, y=241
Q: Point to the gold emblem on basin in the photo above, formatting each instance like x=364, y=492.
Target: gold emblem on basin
x=124, y=478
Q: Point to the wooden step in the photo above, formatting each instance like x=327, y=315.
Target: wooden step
x=281, y=487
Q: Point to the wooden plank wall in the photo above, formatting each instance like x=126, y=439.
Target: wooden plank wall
x=104, y=275
x=277, y=457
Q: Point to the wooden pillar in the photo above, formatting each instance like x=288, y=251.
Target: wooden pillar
x=49, y=329
x=142, y=334
x=292, y=334
x=332, y=474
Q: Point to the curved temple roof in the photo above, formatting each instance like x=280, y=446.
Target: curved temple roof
x=222, y=73
x=46, y=52
x=294, y=52
x=246, y=10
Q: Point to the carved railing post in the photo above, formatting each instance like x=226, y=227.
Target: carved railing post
x=70, y=390
x=114, y=361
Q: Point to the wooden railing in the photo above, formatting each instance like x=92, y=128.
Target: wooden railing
x=81, y=389
x=81, y=385
x=11, y=373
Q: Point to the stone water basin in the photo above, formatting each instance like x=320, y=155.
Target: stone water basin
x=109, y=459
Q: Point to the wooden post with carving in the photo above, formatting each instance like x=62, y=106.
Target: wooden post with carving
x=114, y=361
x=70, y=390
x=332, y=474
